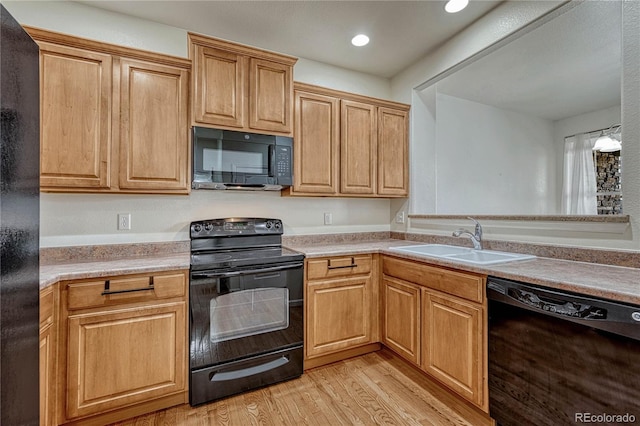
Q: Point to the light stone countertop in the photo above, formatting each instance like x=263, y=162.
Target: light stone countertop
x=50, y=274
x=609, y=282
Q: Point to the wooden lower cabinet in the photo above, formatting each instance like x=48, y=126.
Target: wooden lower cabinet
x=435, y=317
x=47, y=373
x=339, y=314
x=452, y=342
x=401, y=318
x=117, y=358
x=123, y=346
x=341, y=308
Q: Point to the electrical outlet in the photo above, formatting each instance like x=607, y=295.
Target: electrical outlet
x=400, y=217
x=328, y=218
x=124, y=221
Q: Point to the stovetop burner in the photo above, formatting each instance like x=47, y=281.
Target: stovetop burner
x=238, y=242
x=238, y=258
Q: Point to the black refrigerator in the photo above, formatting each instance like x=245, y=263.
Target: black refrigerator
x=19, y=223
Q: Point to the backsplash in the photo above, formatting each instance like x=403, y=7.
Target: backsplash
x=89, y=253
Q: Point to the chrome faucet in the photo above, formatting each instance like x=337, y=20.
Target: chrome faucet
x=475, y=238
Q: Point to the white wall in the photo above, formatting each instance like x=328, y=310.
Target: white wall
x=502, y=162
x=71, y=219
x=483, y=34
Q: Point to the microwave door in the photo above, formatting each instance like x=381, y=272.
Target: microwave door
x=236, y=160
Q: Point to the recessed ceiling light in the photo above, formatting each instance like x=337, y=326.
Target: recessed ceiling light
x=360, y=40
x=454, y=6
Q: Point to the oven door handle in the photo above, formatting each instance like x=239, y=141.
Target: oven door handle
x=247, y=271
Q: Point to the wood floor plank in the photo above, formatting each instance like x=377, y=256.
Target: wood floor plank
x=374, y=389
x=410, y=400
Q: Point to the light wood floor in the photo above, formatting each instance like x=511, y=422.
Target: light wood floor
x=373, y=389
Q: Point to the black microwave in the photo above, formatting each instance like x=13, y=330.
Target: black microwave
x=225, y=159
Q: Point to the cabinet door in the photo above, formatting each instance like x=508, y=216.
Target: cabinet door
x=154, y=138
x=401, y=318
x=452, y=343
x=358, y=148
x=47, y=355
x=270, y=95
x=46, y=375
x=75, y=130
x=316, y=136
x=116, y=358
x=393, y=157
x=219, y=87
x=338, y=315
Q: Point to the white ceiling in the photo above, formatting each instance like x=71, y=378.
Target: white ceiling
x=401, y=32
x=567, y=67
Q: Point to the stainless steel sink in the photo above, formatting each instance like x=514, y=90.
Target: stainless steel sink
x=463, y=254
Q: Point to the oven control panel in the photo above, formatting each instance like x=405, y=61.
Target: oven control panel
x=235, y=226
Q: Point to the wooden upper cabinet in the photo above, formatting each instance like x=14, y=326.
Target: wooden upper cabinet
x=393, y=156
x=75, y=131
x=270, y=96
x=315, y=143
x=218, y=87
x=238, y=87
x=348, y=145
x=114, y=119
x=358, y=148
x=153, y=126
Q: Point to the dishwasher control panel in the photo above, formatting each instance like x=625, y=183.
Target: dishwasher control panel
x=559, y=307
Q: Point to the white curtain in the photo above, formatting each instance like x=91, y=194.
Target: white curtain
x=579, y=184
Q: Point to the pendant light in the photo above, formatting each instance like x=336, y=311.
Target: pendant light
x=606, y=143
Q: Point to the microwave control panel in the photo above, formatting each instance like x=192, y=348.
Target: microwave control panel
x=283, y=161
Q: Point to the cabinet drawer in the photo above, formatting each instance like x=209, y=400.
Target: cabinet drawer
x=338, y=266
x=125, y=289
x=462, y=284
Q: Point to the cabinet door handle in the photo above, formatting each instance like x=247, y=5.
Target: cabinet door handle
x=352, y=265
x=108, y=292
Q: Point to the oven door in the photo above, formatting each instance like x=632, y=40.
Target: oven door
x=246, y=328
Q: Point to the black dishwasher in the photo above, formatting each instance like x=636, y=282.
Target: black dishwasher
x=559, y=358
